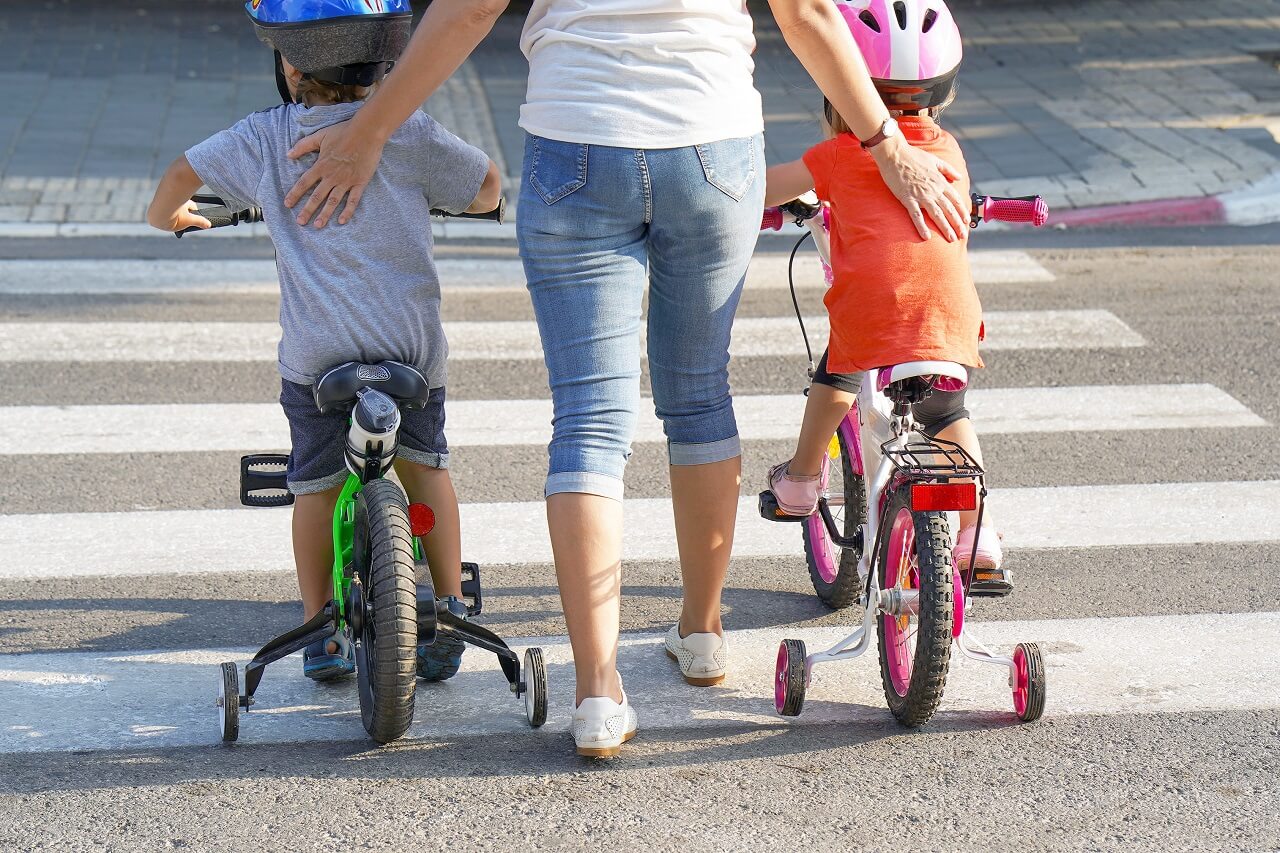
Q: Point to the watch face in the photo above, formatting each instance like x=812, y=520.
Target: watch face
x=891, y=128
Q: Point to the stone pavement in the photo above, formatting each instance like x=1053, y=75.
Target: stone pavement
x=1088, y=103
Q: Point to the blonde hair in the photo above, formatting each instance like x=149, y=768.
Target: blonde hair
x=314, y=93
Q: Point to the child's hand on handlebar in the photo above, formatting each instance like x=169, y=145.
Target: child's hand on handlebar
x=187, y=216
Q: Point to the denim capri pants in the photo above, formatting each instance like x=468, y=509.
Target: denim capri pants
x=599, y=225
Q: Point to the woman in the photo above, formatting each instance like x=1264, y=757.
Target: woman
x=643, y=166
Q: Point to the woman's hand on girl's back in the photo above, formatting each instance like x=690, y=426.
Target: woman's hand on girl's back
x=924, y=185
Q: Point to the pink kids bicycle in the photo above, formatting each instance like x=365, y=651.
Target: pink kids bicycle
x=880, y=537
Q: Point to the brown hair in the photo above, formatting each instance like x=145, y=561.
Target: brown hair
x=833, y=124
x=314, y=93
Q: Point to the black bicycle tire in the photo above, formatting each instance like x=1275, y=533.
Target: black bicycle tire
x=936, y=613
x=844, y=590
x=386, y=708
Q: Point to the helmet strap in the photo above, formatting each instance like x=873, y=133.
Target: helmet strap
x=282, y=82
x=356, y=74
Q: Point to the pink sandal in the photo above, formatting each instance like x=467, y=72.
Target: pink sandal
x=989, y=579
x=797, y=496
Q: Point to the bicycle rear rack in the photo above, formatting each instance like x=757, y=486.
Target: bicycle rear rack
x=932, y=458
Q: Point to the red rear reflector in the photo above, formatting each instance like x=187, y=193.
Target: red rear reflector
x=940, y=497
x=421, y=519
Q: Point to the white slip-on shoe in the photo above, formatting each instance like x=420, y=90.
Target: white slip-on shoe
x=601, y=726
x=702, y=657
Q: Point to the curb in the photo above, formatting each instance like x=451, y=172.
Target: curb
x=256, y=230
x=1257, y=204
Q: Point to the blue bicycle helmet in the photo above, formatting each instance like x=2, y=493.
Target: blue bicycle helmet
x=351, y=42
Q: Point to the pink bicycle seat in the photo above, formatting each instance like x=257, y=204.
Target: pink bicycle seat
x=942, y=375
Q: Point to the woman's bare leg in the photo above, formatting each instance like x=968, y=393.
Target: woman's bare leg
x=705, y=501
x=586, y=543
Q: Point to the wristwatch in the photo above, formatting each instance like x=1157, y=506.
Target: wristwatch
x=889, y=128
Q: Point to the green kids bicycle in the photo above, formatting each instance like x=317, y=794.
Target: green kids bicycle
x=378, y=603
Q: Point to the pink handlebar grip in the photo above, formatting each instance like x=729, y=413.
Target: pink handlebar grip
x=1033, y=210
x=772, y=220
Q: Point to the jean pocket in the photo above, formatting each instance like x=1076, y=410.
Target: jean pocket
x=730, y=165
x=556, y=169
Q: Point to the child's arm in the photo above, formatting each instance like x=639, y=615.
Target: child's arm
x=785, y=182
x=172, y=208
x=490, y=191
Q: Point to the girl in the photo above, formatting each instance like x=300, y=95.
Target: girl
x=895, y=298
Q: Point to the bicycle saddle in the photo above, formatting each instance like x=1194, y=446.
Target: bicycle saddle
x=335, y=390
x=912, y=381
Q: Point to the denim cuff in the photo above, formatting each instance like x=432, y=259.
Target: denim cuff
x=584, y=483
x=704, y=454
x=427, y=458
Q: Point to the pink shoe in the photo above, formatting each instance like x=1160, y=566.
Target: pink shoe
x=797, y=496
x=989, y=578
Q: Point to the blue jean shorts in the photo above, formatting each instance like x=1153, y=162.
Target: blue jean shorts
x=598, y=227
x=316, y=462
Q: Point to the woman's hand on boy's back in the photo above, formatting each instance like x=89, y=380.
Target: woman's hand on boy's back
x=346, y=165
x=925, y=185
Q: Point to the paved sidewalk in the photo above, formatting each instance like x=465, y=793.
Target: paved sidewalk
x=1089, y=103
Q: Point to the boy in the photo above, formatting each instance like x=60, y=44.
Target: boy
x=366, y=291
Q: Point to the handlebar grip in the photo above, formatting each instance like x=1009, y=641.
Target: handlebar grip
x=498, y=214
x=772, y=219
x=219, y=215
x=1030, y=209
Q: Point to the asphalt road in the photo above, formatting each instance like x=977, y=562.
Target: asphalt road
x=1207, y=304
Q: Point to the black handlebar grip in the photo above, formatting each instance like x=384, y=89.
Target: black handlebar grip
x=220, y=216
x=498, y=214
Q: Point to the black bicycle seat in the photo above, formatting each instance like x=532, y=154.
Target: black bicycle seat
x=335, y=390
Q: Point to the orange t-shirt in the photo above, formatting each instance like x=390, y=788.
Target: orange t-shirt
x=896, y=297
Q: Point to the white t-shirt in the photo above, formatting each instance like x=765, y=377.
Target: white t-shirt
x=640, y=73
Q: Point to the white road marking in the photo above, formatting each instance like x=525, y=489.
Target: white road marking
x=234, y=540
x=502, y=274
x=498, y=340
x=1132, y=665
x=176, y=428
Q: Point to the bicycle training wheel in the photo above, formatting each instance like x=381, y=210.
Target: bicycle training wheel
x=386, y=642
x=834, y=570
x=915, y=632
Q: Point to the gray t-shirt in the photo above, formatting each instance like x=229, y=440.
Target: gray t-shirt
x=367, y=290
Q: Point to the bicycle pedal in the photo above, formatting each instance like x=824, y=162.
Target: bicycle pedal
x=770, y=511
x=263, y=481
x=471, y=588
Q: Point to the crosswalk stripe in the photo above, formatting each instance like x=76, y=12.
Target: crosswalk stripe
x=173, y=428
x=1130, y=665
x=42, y=342
x=186, y=541
x=990, y=266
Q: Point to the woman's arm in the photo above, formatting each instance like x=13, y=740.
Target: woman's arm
x=786, y=181
x=819, y=37
x=349, y=152
x=171, y=207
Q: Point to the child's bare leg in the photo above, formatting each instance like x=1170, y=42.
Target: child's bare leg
x=963, y=434
x=313, y=549
x=823, y=411
x=443, y=545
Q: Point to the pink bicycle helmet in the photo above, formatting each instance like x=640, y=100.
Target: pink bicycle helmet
x=912, y=48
